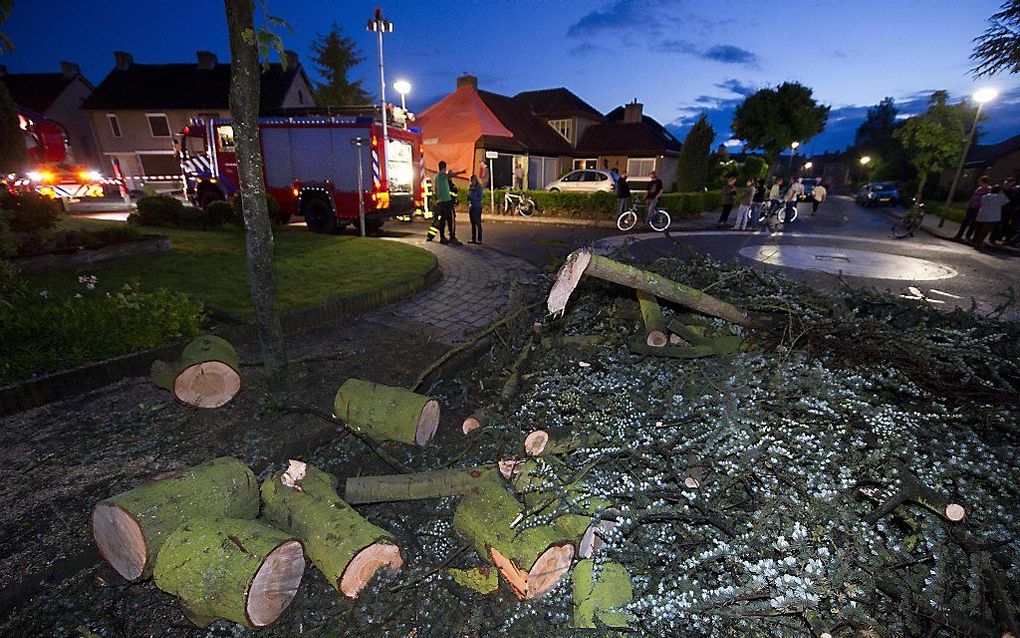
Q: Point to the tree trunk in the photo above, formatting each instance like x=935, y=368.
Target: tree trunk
x=585, y=262
x=130, y=528
x=243, y=571
x=655, y=323
x=206, y=375
x=418, y=486
x=387, y=413
x=921, y=181
x=258, y=231
x=600, y=595
x=345, y=547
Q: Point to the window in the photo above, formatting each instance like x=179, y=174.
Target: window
x=590, y=164
x=225, y=135
x=573, y=177
x=114, y=125
x=564, y=128
x=159, y=126
x=640, y=167
x=160, y=167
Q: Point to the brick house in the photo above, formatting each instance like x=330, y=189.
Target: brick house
x=546, y=133
x=997, y=161
x=58, y=97
x=137, y=109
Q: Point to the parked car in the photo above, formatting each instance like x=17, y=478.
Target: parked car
x=809, y=184
x=878, y=194
x=583, y=180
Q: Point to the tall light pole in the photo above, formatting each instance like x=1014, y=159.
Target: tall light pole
x=403, y=87
x=381, y=26
x=980, y=96
x=793, y=146
x=359, y=142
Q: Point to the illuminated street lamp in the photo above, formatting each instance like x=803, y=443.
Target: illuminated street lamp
x=808, y=166
x=793, y=146
x=381, y=26
x=865, y=160
x=403, y=87
x=981, y=96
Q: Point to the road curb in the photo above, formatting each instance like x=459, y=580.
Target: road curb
x=65, y=384
x=589, y=223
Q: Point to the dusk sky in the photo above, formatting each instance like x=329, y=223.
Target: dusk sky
x=678, y=58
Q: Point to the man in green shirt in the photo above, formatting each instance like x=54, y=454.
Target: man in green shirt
x=445, y=193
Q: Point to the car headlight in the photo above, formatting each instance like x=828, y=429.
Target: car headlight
x=35, y=176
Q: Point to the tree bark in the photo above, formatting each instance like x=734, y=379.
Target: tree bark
x=600, y=595
x=240, y=570
x=418, y=486
x=258, y=231
x=655, y=323
x=387, y=413
x=206, y=375
x=130, y=528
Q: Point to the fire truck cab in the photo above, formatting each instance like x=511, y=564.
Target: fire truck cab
x=311, y=167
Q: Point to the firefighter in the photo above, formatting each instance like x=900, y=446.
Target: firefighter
x=445, y=192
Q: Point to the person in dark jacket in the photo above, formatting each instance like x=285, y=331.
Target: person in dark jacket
x=474, y=196
x=969, y=225
x=622, y=193
x=729, y=194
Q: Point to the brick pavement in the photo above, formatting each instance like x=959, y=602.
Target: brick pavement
x=473, y=292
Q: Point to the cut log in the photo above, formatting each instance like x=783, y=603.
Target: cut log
x=386, y=413
x=912, y=490
x=131, y=527
x=655, y=323
x=229, y=568
x=483, y=580
x=531, y=561
x=692, y=334
x=345, y=547
x=556, y=441
x=474, y=422
x=601, y=595
x=715, y=347
x=417, y=486
x=585, y=262
x=206, y=376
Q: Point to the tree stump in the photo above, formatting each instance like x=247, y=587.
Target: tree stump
x=239, y=570
x=345, y=547
x=656, y=335
x=130, y=528
x=600, y=595
x=386, y=413
x=206, y=376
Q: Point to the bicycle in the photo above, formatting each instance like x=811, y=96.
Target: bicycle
x=519, y=202
x=910, y=222
x=658, y=219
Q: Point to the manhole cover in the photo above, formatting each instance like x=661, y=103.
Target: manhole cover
x=846, y=261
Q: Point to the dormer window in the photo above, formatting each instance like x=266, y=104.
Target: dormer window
x=564, y=128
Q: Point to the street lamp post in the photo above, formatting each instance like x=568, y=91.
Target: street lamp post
x=359, y=142
x=403, y=87
x=793, y=146
x=380, y=26
x=980, y=96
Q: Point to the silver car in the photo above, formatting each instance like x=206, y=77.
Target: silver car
x=583, y=180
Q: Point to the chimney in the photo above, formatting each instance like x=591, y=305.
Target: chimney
x=292, y=59
x=632, y=112
x=123, y=60
x=467, y=80
x=206, y=60
x=69, y=69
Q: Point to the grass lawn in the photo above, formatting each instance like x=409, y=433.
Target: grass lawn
x=211, y=266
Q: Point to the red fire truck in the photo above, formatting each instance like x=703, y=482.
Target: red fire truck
x=52, y=171
x=311, y=168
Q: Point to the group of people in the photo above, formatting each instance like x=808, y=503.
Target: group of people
x=622, y=187
x=445, y=218
x=756, y=202
x=993, y=214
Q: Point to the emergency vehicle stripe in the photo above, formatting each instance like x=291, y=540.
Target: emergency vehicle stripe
x=376, y=177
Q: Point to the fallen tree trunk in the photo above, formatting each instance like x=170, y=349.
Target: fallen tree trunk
x=531, y=561
x=601, y=595
x=229, y=568
x=346, y=548
x=655, y=323
x=556, y=441
x=131, y=527
x=387, y=413
x=692, y=334
x=912, y=490
x=417, y=486
x=585, y=262
x=206, y=376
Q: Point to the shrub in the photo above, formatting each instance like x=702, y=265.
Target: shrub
x=30, y=211
x=271, y=204
x=219, y=213
x=9, y=242
x=158, y=210
x=53, y=335
x=13, y=289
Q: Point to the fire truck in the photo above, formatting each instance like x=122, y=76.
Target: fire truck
x=311, y=168
x=52, y=171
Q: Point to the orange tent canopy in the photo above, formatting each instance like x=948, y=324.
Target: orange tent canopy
x=452, y=126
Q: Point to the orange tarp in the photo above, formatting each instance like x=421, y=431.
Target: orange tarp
x=451, y=126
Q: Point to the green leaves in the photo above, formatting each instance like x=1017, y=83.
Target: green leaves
x=692, y=166
x=998, y=48
x=771, y=119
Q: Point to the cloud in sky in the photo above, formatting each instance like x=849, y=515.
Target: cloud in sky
x=736, y=86
x=730, y=54
x=622, y=14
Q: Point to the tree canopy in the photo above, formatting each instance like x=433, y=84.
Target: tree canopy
x=876, y=138
x=692, y=165
x=771, y=119
x=998, y=48
x=334, y=57
x=934, y=139
x=878, y=125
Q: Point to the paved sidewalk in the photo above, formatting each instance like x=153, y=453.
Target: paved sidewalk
x=948, y=231
x=473, y=292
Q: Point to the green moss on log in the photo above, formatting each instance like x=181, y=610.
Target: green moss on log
x=483, y=580
x=417, y=486
x=601, y=595
x=129, y=528
x=387, y=413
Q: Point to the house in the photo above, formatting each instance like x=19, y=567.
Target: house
x=997, y=161
x=138, y=108
x=57, y=97
x=545, y=133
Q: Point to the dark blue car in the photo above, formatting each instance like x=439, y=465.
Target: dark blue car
x=878, y=194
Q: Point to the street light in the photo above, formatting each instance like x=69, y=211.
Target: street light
x=794, y=146
x=808, y=166
x=403, y=87
x=381, y=26
x=865, y=160
x=981, y=96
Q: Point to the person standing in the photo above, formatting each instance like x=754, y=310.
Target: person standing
x=989, y=214
x=793, y=196
x=444, y=207
x=818, y=195
x=729, y=193
x=969, y=226
x=1008, y=226
x=622, y=193
x=475, y=194
x=519, y=177
x=654, y=192
x=744, y=212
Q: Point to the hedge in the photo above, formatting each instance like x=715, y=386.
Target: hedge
x=602, y=205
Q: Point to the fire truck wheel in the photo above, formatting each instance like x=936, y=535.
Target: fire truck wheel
x=207, y=198
x=319, y=217
x=373, y=226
